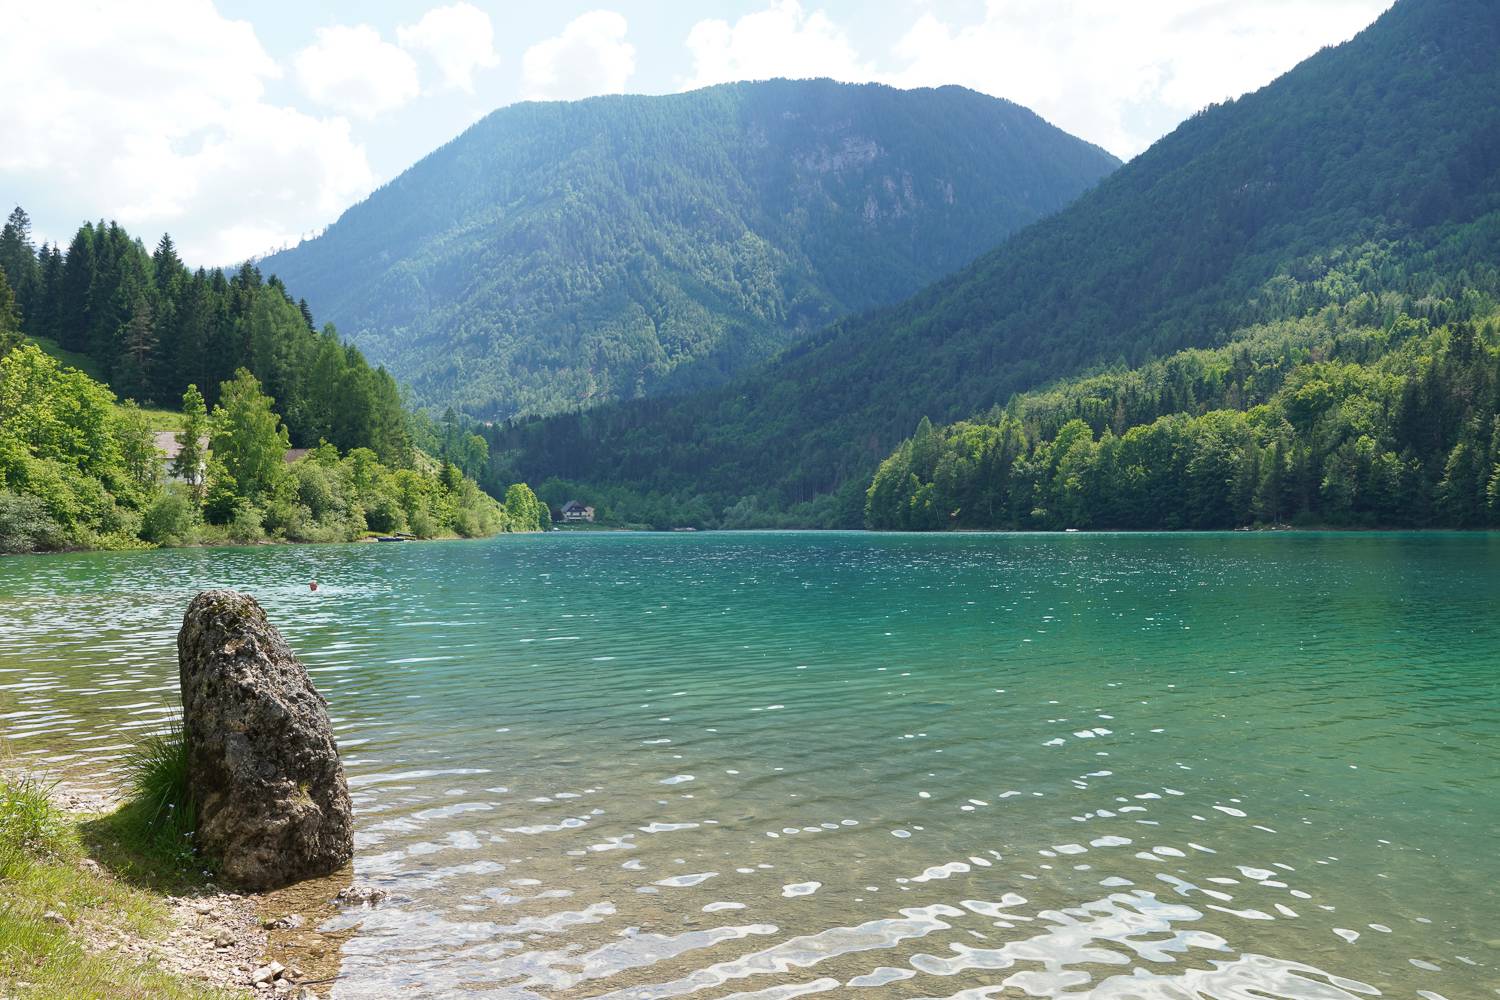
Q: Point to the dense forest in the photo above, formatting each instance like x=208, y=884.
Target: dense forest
x=1245, y=215
x=560, y=255
x=1360, y=416
x=148, y=326
x=79, y=469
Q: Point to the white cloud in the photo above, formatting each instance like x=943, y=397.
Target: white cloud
x=782, y=40
x=161, y=123
x=591, y=56
x=459, y=38
x=1120, y=74
x=353, y=71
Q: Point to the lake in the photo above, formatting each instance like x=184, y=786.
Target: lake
x=771, y=765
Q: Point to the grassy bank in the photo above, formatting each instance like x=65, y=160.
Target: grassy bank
x=84, y=912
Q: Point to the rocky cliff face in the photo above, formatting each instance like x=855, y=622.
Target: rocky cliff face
x=273, y=804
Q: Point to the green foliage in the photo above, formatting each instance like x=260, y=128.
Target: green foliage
x=455, y=439
x=325, y=497
x=20, y=277
x=190, y=462
x=26, y=525
x=423, y=524
x=559, y=255
x=64, y=443
x=10, y=318
x=1370, y=173
x=246, y=523
x=248, y=437
x=1310, y=422
x=527, y=512
x=150, y=328
x=31, y=829
x=137, y=447
x=79, y=471
x=171, y=517
x=161, y=803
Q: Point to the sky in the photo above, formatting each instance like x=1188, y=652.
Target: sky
x=242, y=126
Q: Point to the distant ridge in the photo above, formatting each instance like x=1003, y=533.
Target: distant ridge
x=559, y=255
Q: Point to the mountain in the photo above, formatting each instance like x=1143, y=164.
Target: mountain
x=1247, y=210
x=558, y=255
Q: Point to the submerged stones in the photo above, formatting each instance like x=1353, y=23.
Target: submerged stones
x=273, y=803
x=359, y=895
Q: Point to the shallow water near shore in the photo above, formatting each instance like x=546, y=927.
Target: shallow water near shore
x=771, y=765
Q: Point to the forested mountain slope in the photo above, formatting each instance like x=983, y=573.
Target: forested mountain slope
x=1235, y=218
x=1376, y=411
x=558, y=255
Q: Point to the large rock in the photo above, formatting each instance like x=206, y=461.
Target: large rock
x=273, y=805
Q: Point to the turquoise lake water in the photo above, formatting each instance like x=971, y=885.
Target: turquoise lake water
x=773, y=765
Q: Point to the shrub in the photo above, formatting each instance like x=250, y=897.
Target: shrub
x=322, y=491
x=222, y=497
x=25, y=525
x=424, y=525
x=384, y=513
x=170, y=518
x=282, y=516
x=245, y=526
x=469, y=524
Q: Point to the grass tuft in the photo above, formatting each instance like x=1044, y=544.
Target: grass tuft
x=51, y=900
x=161, y=813
x=31, y=829
x=157, y=769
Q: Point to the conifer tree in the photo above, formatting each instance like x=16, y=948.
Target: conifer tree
x=77, y=278
x=10, y=323
x=192, y=440
x=18, y=259
x=44, y=321
x=135, y=370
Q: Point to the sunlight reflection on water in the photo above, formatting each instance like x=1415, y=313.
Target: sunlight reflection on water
x=1154, y=767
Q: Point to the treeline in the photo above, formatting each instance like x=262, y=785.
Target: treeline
x=1322, y=421
x=78, y=470
x=149, y=327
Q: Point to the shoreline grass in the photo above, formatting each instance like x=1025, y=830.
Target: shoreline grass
x=59, y=906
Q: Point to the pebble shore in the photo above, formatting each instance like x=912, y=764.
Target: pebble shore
x=217, y=937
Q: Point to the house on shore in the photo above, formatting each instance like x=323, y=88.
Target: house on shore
x=573, y=512
x=167, y=447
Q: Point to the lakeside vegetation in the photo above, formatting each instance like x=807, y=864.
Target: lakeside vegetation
x=148, y=327
x=57, y=900
x=81, y=469
x=1360, y=416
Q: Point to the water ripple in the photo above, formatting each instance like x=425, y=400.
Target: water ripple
x=771, y=766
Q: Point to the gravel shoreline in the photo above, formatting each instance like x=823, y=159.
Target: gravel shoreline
x=220, y=938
